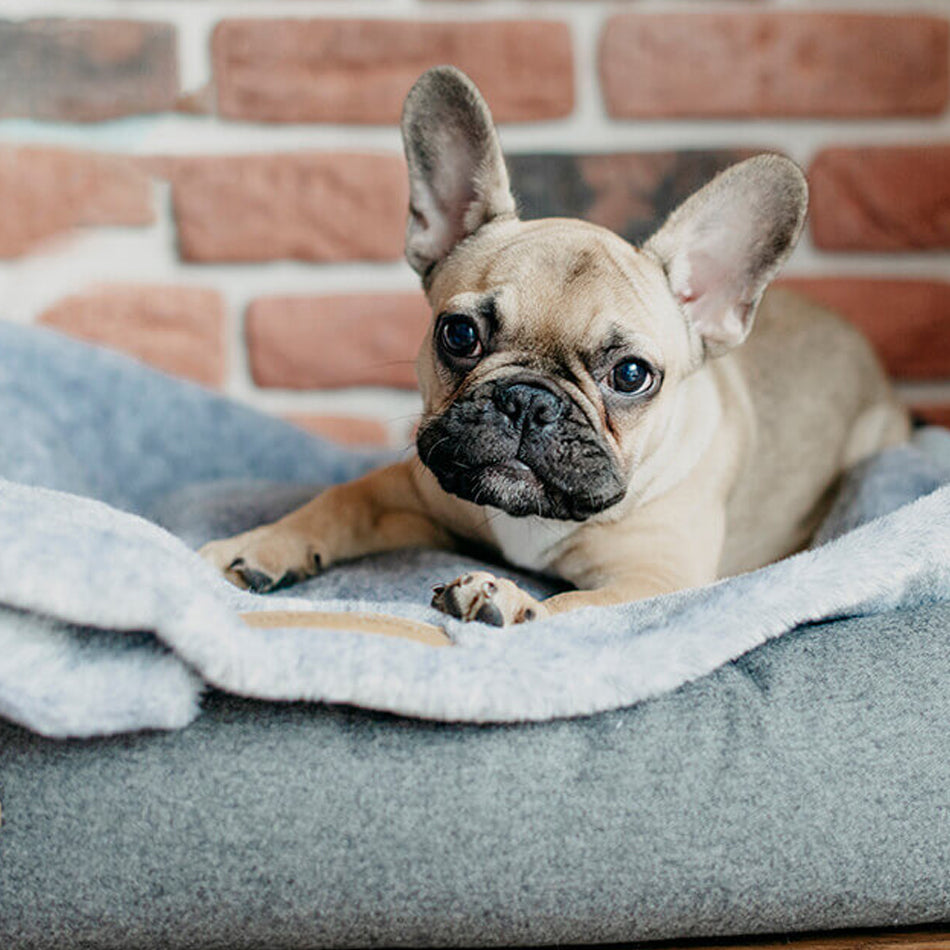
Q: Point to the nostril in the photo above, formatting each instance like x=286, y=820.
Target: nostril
x=546, y=411
x=510, y=400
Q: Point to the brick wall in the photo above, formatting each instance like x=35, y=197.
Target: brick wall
x=216, y=186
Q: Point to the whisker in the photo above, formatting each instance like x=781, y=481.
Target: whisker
x=433, y=447
x=408, y=415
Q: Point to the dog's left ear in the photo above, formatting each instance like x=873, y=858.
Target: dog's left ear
x=457, y=175
x=724, y=244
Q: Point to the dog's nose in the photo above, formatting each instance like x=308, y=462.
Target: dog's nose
x=526, y=404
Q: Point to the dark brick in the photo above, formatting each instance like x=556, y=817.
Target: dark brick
x=630, y=193
x=86, y=70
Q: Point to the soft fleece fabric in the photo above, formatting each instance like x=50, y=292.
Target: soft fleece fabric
x=110, y=623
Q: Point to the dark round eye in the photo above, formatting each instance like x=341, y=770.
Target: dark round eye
x=459, y=336
x=631, y=377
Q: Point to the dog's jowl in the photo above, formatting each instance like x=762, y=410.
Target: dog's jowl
x=632, y=420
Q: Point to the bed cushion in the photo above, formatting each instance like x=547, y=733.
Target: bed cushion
x=805, y=786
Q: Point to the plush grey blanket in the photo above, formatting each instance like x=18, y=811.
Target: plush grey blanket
x=109, y=621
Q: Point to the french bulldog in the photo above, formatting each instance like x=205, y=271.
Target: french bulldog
x=593, y=410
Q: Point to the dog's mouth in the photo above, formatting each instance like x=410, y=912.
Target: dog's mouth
x=511, y=472
x=516, y=486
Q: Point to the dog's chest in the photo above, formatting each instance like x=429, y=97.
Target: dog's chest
x=530, y=542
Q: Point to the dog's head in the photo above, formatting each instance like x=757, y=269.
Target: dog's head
x=559, y=355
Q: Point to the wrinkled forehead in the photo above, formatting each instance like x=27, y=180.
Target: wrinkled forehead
x=557, y=279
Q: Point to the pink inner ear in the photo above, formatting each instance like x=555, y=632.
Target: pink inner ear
x=453, y=192
x=722, y=246
x=714, y=265
x=710, y=289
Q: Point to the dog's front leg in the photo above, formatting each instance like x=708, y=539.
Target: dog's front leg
x=638, y=585
x=381, y=511
x=664, y=550
x=501, y=603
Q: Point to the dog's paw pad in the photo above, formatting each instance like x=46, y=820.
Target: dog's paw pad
x=488, y=599
x=265, y=559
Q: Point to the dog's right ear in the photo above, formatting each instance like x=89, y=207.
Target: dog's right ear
x=457, y=175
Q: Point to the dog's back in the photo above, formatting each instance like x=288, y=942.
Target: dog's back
x=821, y=403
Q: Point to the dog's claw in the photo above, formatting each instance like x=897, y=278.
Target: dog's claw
x=288, y=579
x=257, y=581
x=446, y=601
x=490, y=614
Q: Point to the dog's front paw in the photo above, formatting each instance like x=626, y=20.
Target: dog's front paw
x=489, y=599
x=265, y=559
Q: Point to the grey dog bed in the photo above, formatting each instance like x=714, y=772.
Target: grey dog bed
x=803, y=785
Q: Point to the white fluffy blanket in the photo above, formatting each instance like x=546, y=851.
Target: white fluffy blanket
x=110, y=623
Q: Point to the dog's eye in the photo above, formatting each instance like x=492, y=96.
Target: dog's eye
x=631, y=377
x=459, y=336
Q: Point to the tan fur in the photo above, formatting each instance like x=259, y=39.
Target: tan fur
x=786, y=410
x=730, y=466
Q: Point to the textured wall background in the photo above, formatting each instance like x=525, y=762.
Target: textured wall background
x=216, y=186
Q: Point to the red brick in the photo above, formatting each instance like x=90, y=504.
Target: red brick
x=312, y=206
x=348, y=430
x=937, y=415
x=180, y=330
x=881, y=199
x=336, y=70
x=46, y=191
x=908, y=321
x=336, y=341
x=86, y=70
x=773, y=64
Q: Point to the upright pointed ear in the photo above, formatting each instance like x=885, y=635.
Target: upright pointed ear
x=724, y=244
x=457, y=175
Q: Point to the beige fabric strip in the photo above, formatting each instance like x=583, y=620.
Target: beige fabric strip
x=360, y=623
